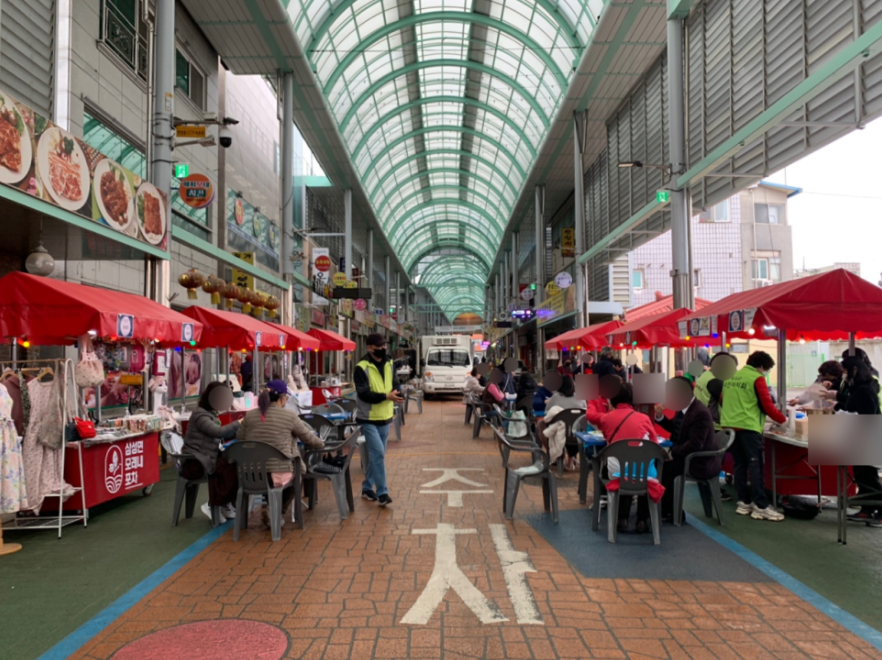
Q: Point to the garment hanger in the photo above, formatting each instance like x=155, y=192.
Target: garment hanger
x=46, y=371
x=6, y=374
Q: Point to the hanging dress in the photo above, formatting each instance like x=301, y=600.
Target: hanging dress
x=13, y=496
x=42, y=463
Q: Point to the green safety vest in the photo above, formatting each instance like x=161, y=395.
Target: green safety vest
x=701, y=392
x=383, y=411
x=741, y=407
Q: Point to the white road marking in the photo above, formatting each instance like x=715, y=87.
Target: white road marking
x=448, y=575
x=454, y=497
x=450, y=474
x=515, y=565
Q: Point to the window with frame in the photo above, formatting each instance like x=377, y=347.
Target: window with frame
x=718, y=213
x=767, y=265
x=189, y=79
x=637, y=279
x=123, y=31
x=768, y=214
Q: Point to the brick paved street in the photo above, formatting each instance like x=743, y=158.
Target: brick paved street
x=340, y=590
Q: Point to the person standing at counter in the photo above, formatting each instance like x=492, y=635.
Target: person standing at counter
x=203, y=439
x=746, y=402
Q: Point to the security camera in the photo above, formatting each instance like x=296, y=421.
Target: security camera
x=226, y=137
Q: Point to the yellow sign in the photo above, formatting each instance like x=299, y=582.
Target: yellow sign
x=191, y=132
x=351, y=284
x=240, y=278
x=568, y=242
x=552, y=289
x=339, y=279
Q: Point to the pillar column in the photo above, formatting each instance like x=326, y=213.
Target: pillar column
x=347, y=229
x=579, y=128
x=539, y=294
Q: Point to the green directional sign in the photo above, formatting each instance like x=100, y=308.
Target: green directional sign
x=182, y=171
x=663, y=196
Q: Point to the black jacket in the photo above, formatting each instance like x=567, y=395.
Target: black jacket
x=672, y=426
x=697, y=434
x=363, y=386
x=604, y=367
x=863, y=398
x=526, y=386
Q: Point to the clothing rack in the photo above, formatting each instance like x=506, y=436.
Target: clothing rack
x=64, y=370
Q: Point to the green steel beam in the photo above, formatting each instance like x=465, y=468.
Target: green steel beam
x=826, y=75
x=438, y=152
x=443, y=99
x=439, y=170
x=447, y=16
x=464, y=281
x=439, y=63
x=337, y=10
x=447, y=129
x=680, y=8
x=433, y=189
x=622, y=229
x=434, y=248
x=453, y=202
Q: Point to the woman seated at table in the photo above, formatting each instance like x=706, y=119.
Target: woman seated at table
x=275, y=425
x=202, y=440
x=472, y=384
x=622, y=422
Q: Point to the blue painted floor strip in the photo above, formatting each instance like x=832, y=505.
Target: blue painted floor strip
x=812, y=597
x=121, y=605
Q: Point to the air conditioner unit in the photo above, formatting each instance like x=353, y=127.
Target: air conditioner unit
x=762, y=283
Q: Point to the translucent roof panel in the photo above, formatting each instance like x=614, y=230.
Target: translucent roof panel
x=443, y=105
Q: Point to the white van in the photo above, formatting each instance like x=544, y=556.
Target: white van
x=446, y=360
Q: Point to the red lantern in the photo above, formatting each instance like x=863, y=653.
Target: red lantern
x=214, y=285
x=272, y=304
x=257, y=302
x=191, y=280
x=245, y=298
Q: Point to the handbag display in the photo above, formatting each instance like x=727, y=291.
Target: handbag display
x=85, y=428
x=89, y=371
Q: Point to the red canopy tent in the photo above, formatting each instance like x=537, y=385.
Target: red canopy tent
x=657, y=306
x=331, y=341
x=587, y=339
x=828, y=307
x=655, y=330
x=54, y=312
x=296, y=340
x=236, y=331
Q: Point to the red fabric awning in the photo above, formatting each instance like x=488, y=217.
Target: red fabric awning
x=664, y=304
x=296, y=340
x=54, y=312
x=331, y=341
x=235, y=331
x=822, y=307
x=656, y=330
x=591, y=338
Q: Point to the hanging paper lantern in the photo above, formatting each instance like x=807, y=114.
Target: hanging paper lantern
x=244, y=297
x=258, y=302
x=230, y=292
x=272, y=304
x=191, y=280
x=214, y=285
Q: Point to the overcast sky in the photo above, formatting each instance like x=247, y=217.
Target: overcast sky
x=838, y=215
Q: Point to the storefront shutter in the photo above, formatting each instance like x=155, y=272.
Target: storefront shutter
x=27, y=52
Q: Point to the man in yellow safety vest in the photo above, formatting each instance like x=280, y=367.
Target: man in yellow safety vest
x=376, y=387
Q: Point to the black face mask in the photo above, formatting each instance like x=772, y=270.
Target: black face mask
x=378, y=353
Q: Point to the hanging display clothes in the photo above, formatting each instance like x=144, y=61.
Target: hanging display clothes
x=13, y=497
x=42, y=462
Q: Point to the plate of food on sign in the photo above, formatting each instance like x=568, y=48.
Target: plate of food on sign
x=114, y=195
x=63, y=168
x=16, y=151
x=151, y=213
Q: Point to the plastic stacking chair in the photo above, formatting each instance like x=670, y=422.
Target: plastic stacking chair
x=348, y=405
x=189, y=488
x=709, y=489
x=255, y=461
x=415, y=395
x=539, y=470
x=472, y=403
x=634, y=457
x=570, y=417
x=327, y=409
x=341, y=481
x=396, y=421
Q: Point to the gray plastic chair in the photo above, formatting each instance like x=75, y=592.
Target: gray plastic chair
x=570, y=417
x=415, y=395
x=634, y=457
x=341, y=482
x=184, y=488
x=255, y=461
x=325, y=409
x=709, y=489
x=397, y=419
x=539, y=470
x=470, y=404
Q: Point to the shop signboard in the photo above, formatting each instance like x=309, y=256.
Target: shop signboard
x=360, y=304
x=321, y=266
x=318, y=317
x=345, y=307
x=240, y=277
x=250, y=230
x=45, y=161
x=568, y=242
x=556, y=306
x=196, y=191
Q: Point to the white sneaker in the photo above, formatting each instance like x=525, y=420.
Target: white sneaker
x=206, y=510
x=744, y=509
x=228, y=511
x=769, y=513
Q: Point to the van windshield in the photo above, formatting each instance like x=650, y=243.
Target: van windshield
x=449, y=357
